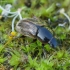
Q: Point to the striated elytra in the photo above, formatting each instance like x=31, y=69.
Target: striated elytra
x=29, y=28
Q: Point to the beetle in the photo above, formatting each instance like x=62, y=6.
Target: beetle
x=31, y=29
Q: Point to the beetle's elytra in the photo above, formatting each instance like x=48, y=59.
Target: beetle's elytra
x=29, y=28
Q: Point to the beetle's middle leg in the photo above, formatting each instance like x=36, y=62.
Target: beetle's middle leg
x=44, y=51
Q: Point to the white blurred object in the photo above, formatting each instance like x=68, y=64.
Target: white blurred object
x=62, y=25
x=7, y=8
x=62, y=11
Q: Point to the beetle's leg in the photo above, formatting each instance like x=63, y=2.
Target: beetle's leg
x=34, y=40
x=44, y=51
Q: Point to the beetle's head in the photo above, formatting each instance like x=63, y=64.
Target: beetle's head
x=53, y=43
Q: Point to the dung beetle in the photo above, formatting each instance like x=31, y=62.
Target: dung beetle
x=29, y=28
